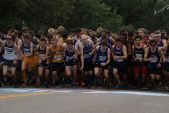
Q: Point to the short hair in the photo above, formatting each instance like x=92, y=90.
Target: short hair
x=130, y=33
x=152, y=41
x=78, y=30
x=69, y=41
x=118, y=40
x=43, y=39
x=60, y=29
x=26, y=35
x=137, y=37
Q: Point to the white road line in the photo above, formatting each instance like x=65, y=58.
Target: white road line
x=30, y=90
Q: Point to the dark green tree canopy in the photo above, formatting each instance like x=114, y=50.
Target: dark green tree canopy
x=110, y=14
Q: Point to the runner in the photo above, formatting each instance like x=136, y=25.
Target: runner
x=102, y=60
x=161, y=43
x=56, y=52
x=28, y=58
x=139, y=69
x=19, y=42
x=1, y=61
x=87, y=50
x=119, y=54
x=41, y=49
x=71, y=59
x=10, y=58
x=166, y=67
x=154, y=59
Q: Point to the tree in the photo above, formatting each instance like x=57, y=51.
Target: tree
x=140, y=13
x=93, y=13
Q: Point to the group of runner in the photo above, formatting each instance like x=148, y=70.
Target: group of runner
x=84, y=57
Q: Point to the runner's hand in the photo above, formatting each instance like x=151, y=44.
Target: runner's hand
x=159, y=65
x=81, y=68
x=15, y=62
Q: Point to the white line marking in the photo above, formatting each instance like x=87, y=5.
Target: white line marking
x=30, y=90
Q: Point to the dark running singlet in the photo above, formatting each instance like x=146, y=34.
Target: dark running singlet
x=86, y=50
x=69, y=56
x=119, y=52
x=155, y=58
x=26, y=49
x=101, y=57
x=138, y=53
x=42, y=52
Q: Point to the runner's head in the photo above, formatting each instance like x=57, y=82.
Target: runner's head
x=9, y=38
x=51, y=31
x=54, y=40
x=77, y=31
x=163, y=34
x=137, y=40
x=142, y=32
x=145, y=39
x=42, y=41
x=103, y=44
x=84, y=39
x=118, y=42
x=92, y=34
x=69, y=42
x=27, y=37
x=157, y=35
x=130, y=35
x=153, y=44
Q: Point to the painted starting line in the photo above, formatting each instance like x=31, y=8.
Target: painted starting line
x=34, y=90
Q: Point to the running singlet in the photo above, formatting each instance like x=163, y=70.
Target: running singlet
x=160, y=44
x=155, y=57
x=101, y=57
x=57, y=54
x=86, y=50
x=42, y=52
x=69, y=58
x=138, y=53
x=9, y=52
x=26, y=49
x=119, y=53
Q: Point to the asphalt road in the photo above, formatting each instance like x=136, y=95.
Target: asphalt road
x=81, y=101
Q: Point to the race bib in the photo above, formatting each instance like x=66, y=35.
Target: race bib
x=139, y=57
x=102, y=58
x=27, y=51
x=154, y=59
x=119, y=60
x=87, y=56
x=58, y=57
x=69, y=58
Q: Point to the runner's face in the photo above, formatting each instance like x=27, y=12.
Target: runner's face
x=137, y=41
x=118, y=44
x=157, y=38
x=42, y=44
x=85, y=41
x=145, y=40
x=103, y=47
x=141, y=33
x=26, y=39
x=69, y=46
x=152, y=46
x=9, y=39
x=54, y=40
